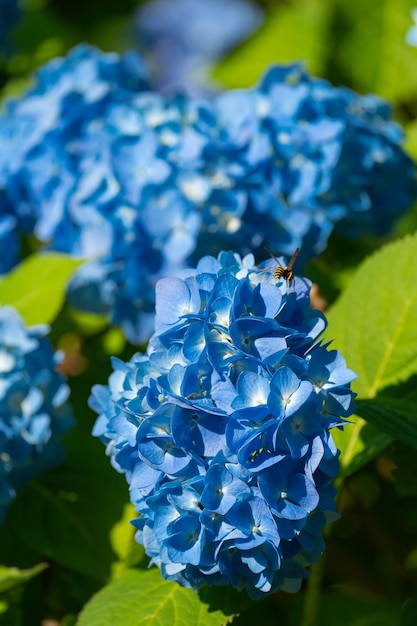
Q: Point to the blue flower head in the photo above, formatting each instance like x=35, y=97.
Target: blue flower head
x=50, y=176
x=97, y=165
x=34, y=413
x=223, y=427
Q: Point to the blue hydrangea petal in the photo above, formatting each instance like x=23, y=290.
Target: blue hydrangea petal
x=252, y=390
x=288, y=393
x=185, y=540
x=252, y=517
x=174, y=299
x=222, y=489
x=291, y=497
x=199, y=432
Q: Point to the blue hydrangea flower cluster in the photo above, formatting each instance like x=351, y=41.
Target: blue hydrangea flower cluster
x=51, y=184
x=222, y=428
x=34, y=413
x=98, y=165
x=184, y=39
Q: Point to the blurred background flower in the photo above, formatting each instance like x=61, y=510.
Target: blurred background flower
x=412, y=32
x=182, y=40
x=34, y=412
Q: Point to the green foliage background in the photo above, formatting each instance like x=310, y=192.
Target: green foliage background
x=67, y=549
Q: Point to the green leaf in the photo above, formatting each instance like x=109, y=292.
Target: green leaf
x=359, y=443
x=144, y=598
x=290, y=33
x=36, y=287
x=11, y=576
x=373, y=323
x=82, y=500
x=373, y=47
x=396, y=418
x=73, y=507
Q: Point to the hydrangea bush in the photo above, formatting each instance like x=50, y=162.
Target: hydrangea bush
x=222, y=427
x=228, y=426
x=34, y=412
x=97, y=165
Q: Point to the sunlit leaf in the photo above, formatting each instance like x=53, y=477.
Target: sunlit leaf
x=36, y=287
x=291, y=33
x=144, y=598
x=373, y=50
x=374, y=325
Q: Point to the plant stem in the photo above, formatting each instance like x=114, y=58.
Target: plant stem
x=312, y=595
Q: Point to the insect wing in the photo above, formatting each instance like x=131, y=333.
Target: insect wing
x=273, y=256
x=293, y=260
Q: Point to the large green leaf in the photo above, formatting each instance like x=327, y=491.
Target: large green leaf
x=374, y=322
x=374, y=325
x=36, y=287
x=144, y=598
x=396, y=418
x=373, y=50
x=291, y=33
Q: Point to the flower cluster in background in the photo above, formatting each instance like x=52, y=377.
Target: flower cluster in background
x=34, y=413
x=183, y=39
x=48, y=175
x=222, y=428
x=98, y=165
x=411, y=36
